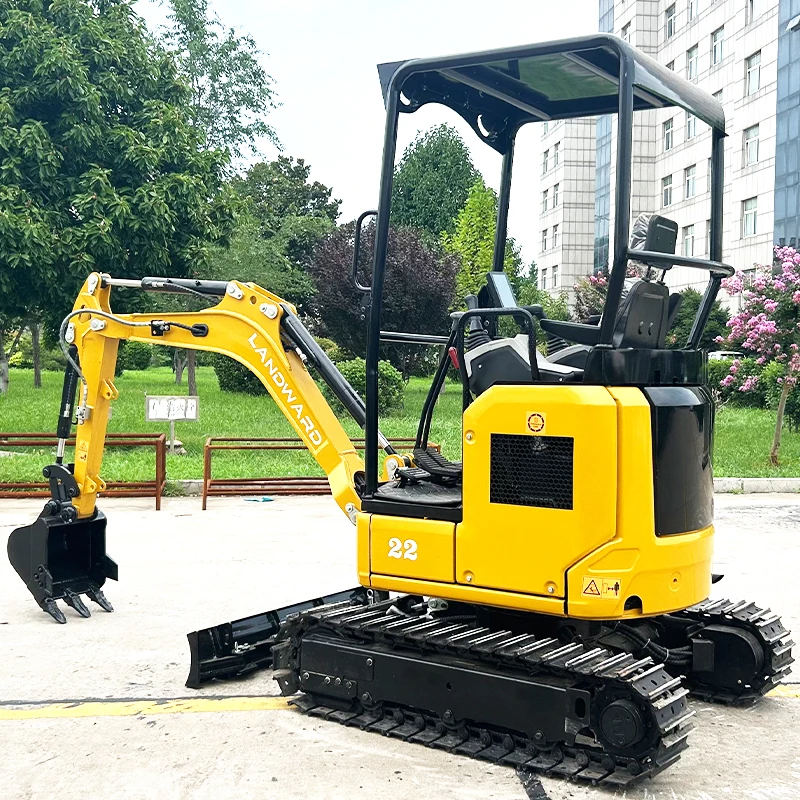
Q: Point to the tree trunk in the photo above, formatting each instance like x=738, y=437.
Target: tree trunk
x=3, y=364
x=178, y=364
x=776, y=441
x=191, y=377
x=37, y=355
x=5, y=356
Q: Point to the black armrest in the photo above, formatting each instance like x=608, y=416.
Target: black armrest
x=572, y=331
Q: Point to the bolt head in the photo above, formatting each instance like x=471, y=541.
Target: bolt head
x=305, y=676
x=448, y=715
x=370, y=662
x=327, y=679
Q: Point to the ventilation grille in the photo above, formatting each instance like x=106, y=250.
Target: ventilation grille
x=531, y=470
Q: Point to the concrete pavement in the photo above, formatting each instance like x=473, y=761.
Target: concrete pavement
x=183, y=569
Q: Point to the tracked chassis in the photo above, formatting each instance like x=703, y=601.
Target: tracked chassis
x=594, y=707
x=511, y=698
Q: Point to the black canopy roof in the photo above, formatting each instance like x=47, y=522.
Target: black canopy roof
x=497, y=91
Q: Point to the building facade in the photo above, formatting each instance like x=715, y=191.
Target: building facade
x=746, y=53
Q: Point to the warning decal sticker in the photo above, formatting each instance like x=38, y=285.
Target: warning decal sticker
x=601, y=587
x=536, y=421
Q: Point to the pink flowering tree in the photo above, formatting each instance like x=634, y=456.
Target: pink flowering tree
x=768, y=326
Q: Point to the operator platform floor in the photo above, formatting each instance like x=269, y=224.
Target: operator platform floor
x=76, y=711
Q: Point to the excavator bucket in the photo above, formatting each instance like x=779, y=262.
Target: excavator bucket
x=61, y=560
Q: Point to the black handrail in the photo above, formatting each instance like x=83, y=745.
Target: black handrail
x=670, y=259
x=494, y=313
x=357, y=247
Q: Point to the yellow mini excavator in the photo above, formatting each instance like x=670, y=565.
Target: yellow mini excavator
x=550, y=590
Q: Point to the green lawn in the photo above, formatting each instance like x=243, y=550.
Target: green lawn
x=742, y=440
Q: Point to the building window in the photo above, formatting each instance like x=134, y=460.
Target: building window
x=544, y=201
x=718, y=96
x=555, y=237
x=717, y=43
x=671, y=66
x=708, y=237
x=691, y=125
x=668, y=140
x=689, y=180
x=669, y=22
x=749, y=217
x=555, y=195
x=748, y=276
x=626, y=32
x=544, y=278
x=556, y=148
x=751, y=146
x=691, y=63
x=546, y=126
x=544, y=239
x=755, y=8
x=753, y=73
x=692, y=9
x=666, y=191
x=554, y=277
x=545, y=160
x=708, y=176
x=688, y=240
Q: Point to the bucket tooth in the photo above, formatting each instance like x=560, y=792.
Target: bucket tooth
x=98, y=597
x=51, y=607
x=74, y=601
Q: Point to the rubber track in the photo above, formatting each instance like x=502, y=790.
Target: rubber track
x=655, y=691
x=765, y=625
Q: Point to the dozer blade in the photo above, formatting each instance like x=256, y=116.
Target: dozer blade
x=244, y=645
x=61, y=560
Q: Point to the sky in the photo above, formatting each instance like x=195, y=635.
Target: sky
x=323, y=54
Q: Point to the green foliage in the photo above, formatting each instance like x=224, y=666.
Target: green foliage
x=235, y=377
x=332, y=350
x=133, y=356
x=51, y=357
x=678, y=334
x=390, y=384
x=100, y=166
x=737, y=382
x=432, y=182
x=283, y=218
x=230, y=90
x=473, y=241
x=529, y=294
x=280, y=189
x=252, y=258
x=772, y=377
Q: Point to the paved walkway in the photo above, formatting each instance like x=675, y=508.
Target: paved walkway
x=77, y=710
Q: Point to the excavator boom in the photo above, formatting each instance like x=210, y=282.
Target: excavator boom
x=62, y=555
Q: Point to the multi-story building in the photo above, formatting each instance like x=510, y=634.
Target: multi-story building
x=566, y=216
x=747, y=54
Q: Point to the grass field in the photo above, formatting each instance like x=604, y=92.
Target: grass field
x=743, y=436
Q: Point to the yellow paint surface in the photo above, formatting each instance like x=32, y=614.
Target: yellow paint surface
x=132, y=708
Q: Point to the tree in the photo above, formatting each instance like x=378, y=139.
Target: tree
x=473, y=241
x=278, y=263
x=418, y=290
x=678, y=334
x=100, y=166
x=281, y=188
x=230, y=91
x=432, y=181
x=769, y=326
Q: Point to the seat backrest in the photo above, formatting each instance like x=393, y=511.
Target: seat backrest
x=643, y=316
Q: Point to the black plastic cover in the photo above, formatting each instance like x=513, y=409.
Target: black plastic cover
x=639, y=367
x=682, y=429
